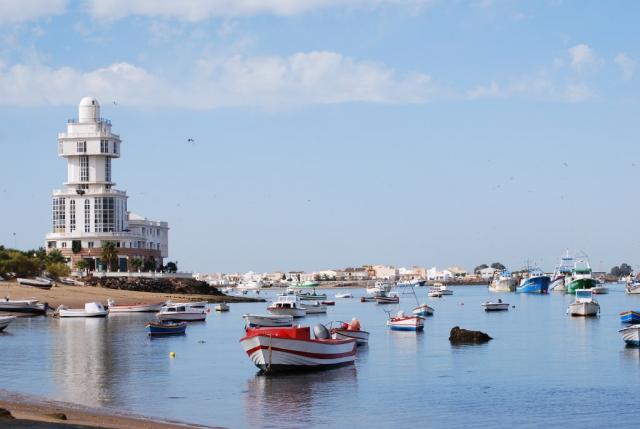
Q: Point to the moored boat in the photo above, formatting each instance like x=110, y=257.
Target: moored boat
x=314, y=308
x=367, y=299
x=600, y=290
x=630, y=317
x=562, y=273
x=23, y=306
x=311, y=296
x=434, y=293
x=133, y=308
x=423, y=310
x=348, y=331
x=166, y=328
x=271, y=320
x=387, y=298
x=536, y=282
x=405, y=323
x=221, y=306
x=580, y=277
x=38, y=282
x=378, y=288
x=503, y=282
x=287, y=305
x=182, y=312
x=293, y=349
x=91, y=309
x=633, y=288
x=584, y=305
x=631, y=335
x=5, y=321
x=495, y=306
x=344, y=295
x=328, y=302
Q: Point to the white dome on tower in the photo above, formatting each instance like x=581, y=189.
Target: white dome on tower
x=88, y=110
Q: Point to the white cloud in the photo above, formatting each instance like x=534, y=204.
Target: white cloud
x=200, y=10
x=16, y=11
x=269, y=82
x=532, y=88
x=627, y=65
x=581, y=56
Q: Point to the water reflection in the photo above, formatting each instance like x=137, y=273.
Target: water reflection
x=305, y=399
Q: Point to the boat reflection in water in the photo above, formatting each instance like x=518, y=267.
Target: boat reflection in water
x=306, y=399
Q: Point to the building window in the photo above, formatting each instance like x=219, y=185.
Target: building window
x=103, y=214
x=84, y=168
x=82, y=147
x=87, y=216
x=59, y=214
x=104, y=146
x=51, y=244
x=64, y=244
x=72, y=215
x=116, y=147
x=107, y=169
x=90, y=245
x=60, y=148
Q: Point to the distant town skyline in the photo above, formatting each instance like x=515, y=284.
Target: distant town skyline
x=286, y=135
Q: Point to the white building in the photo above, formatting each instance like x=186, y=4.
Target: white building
x=89, y=210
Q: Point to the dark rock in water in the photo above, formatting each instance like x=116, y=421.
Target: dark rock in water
x=166, y=285
x=5, y=414
x=462, y=336
x=57, y=416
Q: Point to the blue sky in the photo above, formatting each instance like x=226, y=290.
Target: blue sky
x=332, y=133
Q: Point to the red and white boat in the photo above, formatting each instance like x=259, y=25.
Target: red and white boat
x=351, y=330
x=133, y=308
x=293, y=349
x=405, y=323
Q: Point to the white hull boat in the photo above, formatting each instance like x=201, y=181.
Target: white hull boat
x=315, y=308
x=379, y=288
x=38, y=282
x=272, y=321
x=361, y=337
x=423, y=310
x=344, y=295
x=133, y=308
x=600, y=290
x=495, y=306
x=406, y=323
x=181, y=312
x=293, y=349
x=23, y=306
x=633, y=288
x=5, y=321
x=287, y=305
x=91, y=309
x=503, y=283
x=222, y=306
x=631, y=335
x=434, y=293
x=558, y=285
x=584, y=305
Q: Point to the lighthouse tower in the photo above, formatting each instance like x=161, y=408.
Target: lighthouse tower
x=89, y=210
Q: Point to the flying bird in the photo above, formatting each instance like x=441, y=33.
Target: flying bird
x=115, y=103
x=191, y=141
x=565, y=164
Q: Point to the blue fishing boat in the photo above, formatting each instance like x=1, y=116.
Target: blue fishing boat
x=166, y=328
x=537, y=282
x=630, y=317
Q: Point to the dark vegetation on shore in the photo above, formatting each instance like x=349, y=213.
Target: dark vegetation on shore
x=161, y=285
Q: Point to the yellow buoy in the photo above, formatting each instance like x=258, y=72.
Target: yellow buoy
x=172, y=354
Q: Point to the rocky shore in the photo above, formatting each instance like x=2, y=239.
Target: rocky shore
x=161, y=285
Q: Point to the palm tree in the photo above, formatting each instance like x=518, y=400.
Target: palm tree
x=82, y=265
x=109, y=254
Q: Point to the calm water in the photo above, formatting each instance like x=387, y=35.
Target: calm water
x=542, y=367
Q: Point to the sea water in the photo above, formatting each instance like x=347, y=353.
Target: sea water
x=543, y=367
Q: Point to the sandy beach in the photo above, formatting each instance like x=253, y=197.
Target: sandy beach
x=33, y=412
x=77, y=296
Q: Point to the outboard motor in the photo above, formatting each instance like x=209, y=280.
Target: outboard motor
x=321, y=332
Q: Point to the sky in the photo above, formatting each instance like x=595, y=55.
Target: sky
x=335, y=133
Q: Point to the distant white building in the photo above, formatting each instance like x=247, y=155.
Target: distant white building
x=487, y=273
x=434, y=274
x=89, y=211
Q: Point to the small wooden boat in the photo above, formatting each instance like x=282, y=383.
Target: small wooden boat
x=344, y=295
x=292, y=349
x=287, y=305
x=423, y=310
x=434, y=293
x=91, y=309
x=367, y=299
x=405, y=323
x=221, y=306
x=347, y=331
x=387, y=298
x=31, y=306
x=631, y=317
x=5, y=321
x=166, y=328
x=584, y=305
x=271, y=320
x=133, y=308
x=315, y=308
x=39, y=282
x=495, y=306
x=182, y=312
x=599, y=290
x=311, y=296
x=631, y=335
x=328, y=302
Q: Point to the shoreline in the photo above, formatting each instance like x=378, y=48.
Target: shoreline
x=27, y=409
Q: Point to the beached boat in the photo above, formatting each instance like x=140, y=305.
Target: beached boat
x=293, y=349
x=600, y=290
x=536, y=282
x=5, y=321
x=166, y=328
x=31, y=306
x=350, y=331
x=221, y=306
x=314, y=308
x=405, y=323
x=387, y=298
x=133, y=308
x=344, y=295
x=287, y=305
x=38, y=282
x=561, y=273
x=584, y=305
x=503, y=282
x=270, y=320
x=423, y=310
x=495, y=306
x=631, y=317
x=378, y=288
x=631, y=335
x=91, y=309
x=182, y=312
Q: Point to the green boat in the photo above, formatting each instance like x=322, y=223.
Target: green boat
x=580, y=278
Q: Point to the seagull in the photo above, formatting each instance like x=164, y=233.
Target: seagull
x=565, y=164
x=191, y=140
x=115, y=103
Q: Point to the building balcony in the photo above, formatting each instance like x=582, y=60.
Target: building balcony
x=88, y=192
x=98, y=121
